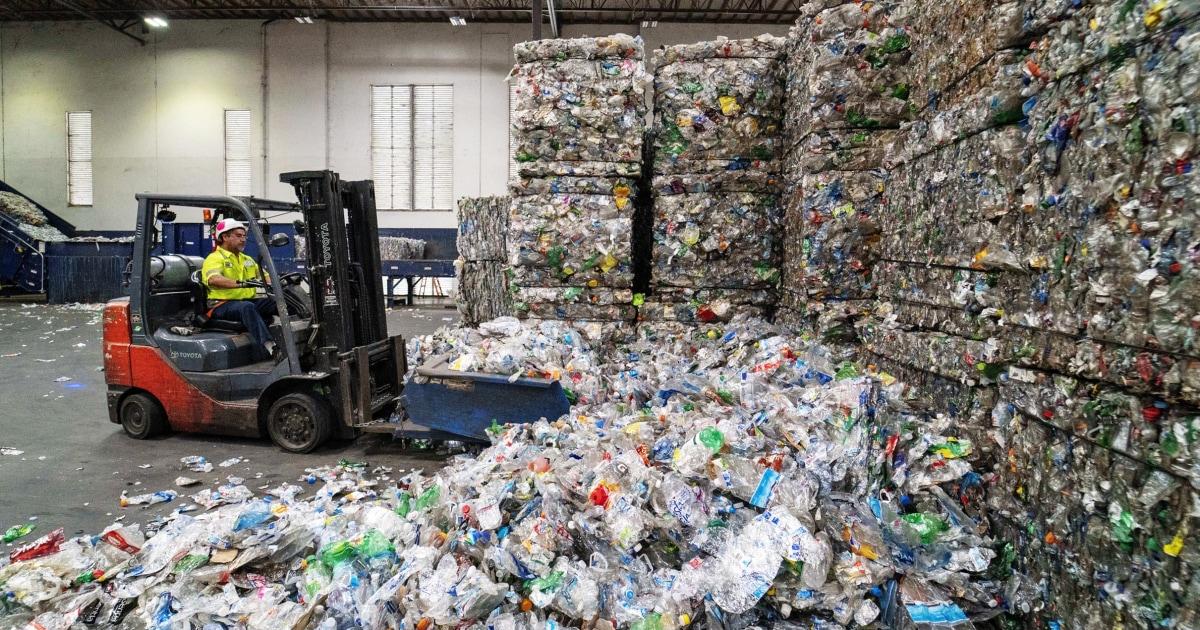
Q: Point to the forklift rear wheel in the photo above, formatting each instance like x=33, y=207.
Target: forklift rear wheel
x=298, y=422
x=142, y=417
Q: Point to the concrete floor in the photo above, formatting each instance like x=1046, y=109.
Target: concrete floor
x=76, y=463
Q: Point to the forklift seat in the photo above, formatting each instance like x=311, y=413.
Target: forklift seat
x=200, y=316
x=205, y=351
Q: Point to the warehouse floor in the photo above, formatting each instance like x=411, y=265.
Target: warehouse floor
x=75, y=464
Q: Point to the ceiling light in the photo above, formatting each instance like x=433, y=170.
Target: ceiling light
x=649, y=23
x=458, y=20
x=156, y=21
x=304, y=19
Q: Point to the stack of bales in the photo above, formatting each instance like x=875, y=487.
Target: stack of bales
x=482, y=259
x=848, y=92
x=578, y=127
x=1038, y=280
x=716, y=224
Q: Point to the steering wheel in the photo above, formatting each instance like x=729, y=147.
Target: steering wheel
x=292, y=279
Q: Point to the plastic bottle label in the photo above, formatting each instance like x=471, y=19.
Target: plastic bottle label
x=766, y=483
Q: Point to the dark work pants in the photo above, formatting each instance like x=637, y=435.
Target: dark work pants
x=253, y=314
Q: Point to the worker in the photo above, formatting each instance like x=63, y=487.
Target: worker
x=226, y=271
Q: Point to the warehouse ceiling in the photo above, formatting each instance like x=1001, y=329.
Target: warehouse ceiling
x=123, y=12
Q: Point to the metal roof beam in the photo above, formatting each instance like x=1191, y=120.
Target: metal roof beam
x=608, y=12
x=107, y=22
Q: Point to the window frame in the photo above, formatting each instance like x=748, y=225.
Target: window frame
x=436, y=151
x=90, y=161
x=248, y=159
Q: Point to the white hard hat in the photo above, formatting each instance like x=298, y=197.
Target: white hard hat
x=224, y=225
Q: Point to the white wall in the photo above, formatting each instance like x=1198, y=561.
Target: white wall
x=158, y=110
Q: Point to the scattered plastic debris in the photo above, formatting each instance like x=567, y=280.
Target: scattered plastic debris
x=730, y=472
x=17, y=531
x=162, y=496
x=195, y=463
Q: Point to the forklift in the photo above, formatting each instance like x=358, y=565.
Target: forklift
x=169, y=366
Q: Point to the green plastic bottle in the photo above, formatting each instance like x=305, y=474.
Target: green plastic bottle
x=927, y=526
x=17, y=531
x=404, y=504
x=428, y=498
x=336, y=553
x=374, y=545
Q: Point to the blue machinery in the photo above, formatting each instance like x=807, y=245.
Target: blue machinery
x=453, y=405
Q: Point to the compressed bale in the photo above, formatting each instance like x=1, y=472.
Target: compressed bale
x=482, y=227
x=992, y=95
x=618, y=46
x=482, y=291
x=555, y=169
x=574, y=303
x=850, y=79
x=721, y=107
x=580, y=109
x=571, y=240
x=833, y=233
x=968, y=33
x=717, y=141
x=960, y=204
x=1107, y=31
x=579, y=129
x=726, y=240
x=401, y=248
x=704, y=305
x=717, y=176
x=967, y=360
x=621, y=188
x=841, y=150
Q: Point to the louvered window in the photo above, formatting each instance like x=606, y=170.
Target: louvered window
x=79, y=158
x=237, y=152
x=412, y=146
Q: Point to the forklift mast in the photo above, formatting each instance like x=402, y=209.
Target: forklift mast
x=342, y=234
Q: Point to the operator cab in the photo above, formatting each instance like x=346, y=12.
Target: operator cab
x=175, y=303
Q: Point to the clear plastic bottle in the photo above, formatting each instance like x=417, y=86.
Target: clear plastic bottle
x=679, y=499
x=694, y=454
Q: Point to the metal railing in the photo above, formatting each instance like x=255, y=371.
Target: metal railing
x=11, y=231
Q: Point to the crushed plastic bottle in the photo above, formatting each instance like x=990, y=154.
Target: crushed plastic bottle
x=17, y=531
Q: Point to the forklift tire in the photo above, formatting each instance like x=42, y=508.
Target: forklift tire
x=142, y=417
x=298, y=422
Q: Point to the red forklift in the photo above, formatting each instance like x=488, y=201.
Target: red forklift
x=170, y=367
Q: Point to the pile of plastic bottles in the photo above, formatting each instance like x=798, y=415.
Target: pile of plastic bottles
x=734, y=476
x=506, y=346
x=29, y=217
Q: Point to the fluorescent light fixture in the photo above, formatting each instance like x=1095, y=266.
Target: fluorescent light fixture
x=649, y=23
x=304, y=20
x=458, y=20
x=156, y=21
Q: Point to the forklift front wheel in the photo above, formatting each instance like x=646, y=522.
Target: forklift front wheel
x=298, y=422
x=142, y=417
